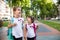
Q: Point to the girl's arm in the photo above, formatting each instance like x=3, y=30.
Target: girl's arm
x=25, y=33
x=37, y=27
x=10, y=25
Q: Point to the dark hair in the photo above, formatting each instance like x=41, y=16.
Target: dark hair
x=14, y=8
x=1, y=23
x=32, y=18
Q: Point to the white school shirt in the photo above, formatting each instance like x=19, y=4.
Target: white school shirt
x=30, y=31
x=17, y=30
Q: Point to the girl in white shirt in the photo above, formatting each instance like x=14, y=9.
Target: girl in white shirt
x=30, y=29
x=17, y=24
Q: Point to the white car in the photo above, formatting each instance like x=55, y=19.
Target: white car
x=58, y=18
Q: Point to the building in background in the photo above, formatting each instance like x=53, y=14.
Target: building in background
x=4, y=10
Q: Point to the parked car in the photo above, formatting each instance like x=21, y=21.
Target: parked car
x=58, y=18
x=53, y=18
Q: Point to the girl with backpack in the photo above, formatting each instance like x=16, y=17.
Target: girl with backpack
x=16, y=26
x=30, y=29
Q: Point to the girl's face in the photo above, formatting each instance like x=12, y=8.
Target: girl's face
x=18, y=12
x=29, y=20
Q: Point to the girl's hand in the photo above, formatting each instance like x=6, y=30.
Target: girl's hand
x=25, y=33
x=25, y=38
x=14, y=24
x=11, y=25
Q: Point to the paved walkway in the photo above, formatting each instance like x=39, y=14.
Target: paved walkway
x=45, y=32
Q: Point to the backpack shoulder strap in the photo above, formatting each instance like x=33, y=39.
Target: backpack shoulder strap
x=12, y=20
x=34, y=28
x=34, y=25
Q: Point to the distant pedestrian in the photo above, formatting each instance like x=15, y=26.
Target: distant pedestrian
x=30, y=29
x=3, y=31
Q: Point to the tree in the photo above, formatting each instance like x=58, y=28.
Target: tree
x=58, y=1
x=58, y=8
x=24, y=4
x=46, y=7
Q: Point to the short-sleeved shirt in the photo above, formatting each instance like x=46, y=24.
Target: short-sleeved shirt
x=17, y=30
x=30, y=30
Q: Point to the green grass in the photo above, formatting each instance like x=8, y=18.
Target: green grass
x=56, y=21
x=5, y=23
x=52, y=24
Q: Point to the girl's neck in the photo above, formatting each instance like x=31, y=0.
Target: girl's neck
x=29, y=23
x=17, y=16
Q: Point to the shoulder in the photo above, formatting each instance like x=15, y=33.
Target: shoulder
x=12, y=18
x=22, y=18
x=35, y=24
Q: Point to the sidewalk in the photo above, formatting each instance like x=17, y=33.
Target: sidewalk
x=46, y=32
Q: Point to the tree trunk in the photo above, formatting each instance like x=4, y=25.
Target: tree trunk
x=45, y=17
